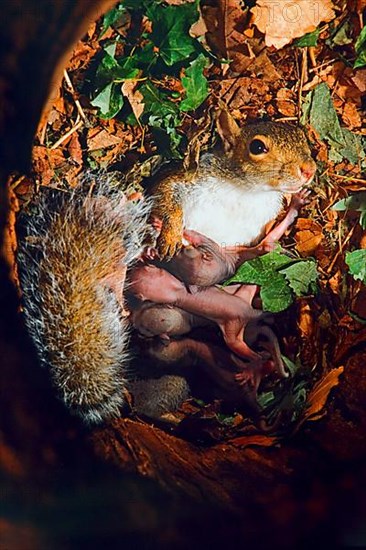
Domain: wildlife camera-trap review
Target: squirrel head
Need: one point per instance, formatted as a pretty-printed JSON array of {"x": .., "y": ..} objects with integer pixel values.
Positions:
[{"x": 273, "y": 155}]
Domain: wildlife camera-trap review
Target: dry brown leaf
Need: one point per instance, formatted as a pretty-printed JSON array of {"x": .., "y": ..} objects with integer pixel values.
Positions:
[
  {"x": 359, "y": 303},
  {"x": 59, "y": 105},
  {"x": 282, "y": 21},
  {"x": 237, "y": 93},
  {"x": 70, "y": 173},
  {"x": 9, "y": 246},
  {"x": 178, "y": 2},
  {"x": 351, "y": 116},
  {"x": 112, "y": 153},
  {"x": 55, "y": 119},
  {"x": 198, "y": 28},
  {"x": 75, "y": 150},
  {"x": 335, "y": 282},
  {"x": 359, "y": 79},
  {"x": 263, "y": 67},
  {"x": 318, "y": 396},
  {"x": 308, "y": 236},
  {"x": 251, "y": 440},
  {"x": 45, "y": 161},
  {"x": 91, "y": 30},
  {"x": 134, "y": 96},
  {"x": 81, "y": 55},
  {"x": 322, "y": 154},
  {"x": 227, "y": 128},
  {"x": 287, "y": 108},
  {"x": 226, "y": 25},
  {"x": 363, "y": 240},
  {"x": 99, "y": 138},
  {"x": 305, "y": 321},
  {"x": 286, "y": 102},
  {"x": 346, "y": 83}
]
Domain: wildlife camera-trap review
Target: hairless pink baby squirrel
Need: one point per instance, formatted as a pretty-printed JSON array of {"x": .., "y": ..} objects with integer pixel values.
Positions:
[{"x": 74, "y": 258}]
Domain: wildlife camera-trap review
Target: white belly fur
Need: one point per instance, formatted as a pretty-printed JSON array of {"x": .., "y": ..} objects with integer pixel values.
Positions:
[{"x": 227, "y": 214}]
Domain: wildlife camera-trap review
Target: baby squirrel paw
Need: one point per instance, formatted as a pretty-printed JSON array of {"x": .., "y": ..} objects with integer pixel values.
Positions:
[
  {"x": 300, "y": 199},
  {"x": 149, "y": 254}
]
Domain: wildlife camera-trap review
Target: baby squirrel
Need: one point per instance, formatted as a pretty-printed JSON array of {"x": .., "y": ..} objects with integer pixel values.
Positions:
[{"x": 74, "y": 259}]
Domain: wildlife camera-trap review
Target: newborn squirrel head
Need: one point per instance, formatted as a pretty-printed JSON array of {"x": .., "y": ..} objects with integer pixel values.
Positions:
[{"x": 268, "y": 156}]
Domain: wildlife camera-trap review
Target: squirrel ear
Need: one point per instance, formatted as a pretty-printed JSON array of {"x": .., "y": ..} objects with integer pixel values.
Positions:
[{"x": 226, "y": 127}]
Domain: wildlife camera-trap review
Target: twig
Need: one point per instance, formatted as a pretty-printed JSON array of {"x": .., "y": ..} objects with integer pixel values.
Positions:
[
  {"x": 76, "y": 101},
  {"x": 43, "y": 133},
  {"x": 350, "y": 178},
  {"x": 312, "y": 55},
  {"x": 285, "y": 118},
  {"x": 321, "y": 66},
  {"x": 340, "y": 249},
  {"x": 68, "y": 134},
  {"x": 16, "y": 182},
  {"x": 303, "y": 74}
]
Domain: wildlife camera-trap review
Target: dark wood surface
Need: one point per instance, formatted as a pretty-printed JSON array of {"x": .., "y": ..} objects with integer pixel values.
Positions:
[{"x": 130, "y": 483}]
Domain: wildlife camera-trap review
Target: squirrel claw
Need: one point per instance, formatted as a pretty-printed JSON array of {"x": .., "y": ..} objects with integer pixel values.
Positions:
[{"x": 167, "y": 248}]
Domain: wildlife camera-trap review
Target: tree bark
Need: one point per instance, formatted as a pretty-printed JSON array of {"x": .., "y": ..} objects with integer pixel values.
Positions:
[{"x": 288, "y": 495}]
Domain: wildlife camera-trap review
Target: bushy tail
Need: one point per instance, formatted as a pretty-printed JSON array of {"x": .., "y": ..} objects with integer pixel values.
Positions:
[{"x": 72, "y": 245}]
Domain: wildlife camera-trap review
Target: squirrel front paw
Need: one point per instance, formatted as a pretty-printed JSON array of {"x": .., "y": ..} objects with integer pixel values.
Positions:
[{"x": 169, "y": 241}]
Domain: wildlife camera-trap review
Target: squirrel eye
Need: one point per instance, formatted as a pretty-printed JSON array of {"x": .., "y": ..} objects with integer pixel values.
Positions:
[{"x": 257, "y": 147}]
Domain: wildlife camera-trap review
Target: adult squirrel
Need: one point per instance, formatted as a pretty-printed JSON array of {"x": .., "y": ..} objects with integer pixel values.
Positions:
[
  {"x": 232, "y": 196},
  {"x": 74, "y": 258}
]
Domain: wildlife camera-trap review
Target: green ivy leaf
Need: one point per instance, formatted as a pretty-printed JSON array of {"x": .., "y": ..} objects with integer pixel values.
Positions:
[
  {"x": 291, "y": 367},
  {"x": 276, "y": 296},
  {"x": 362, "y": 219},
  {"x": 164, "y": 118},
  {"x": 289, "y": 395},
  {"x": 301, "y": 276},
  {"x": 266, "y": 399},
  {"x": 112, "y": 17},
  {"x": 167, "y": 48},
  {"x": 280, "y": 278},
  {"x": 343, "y": 34},
  {"x": 195, "y": 85},
  {"x": 353, "y": 148},
  {"x": 157, "y": 102},
  {"x": 309, "y": 39},
  {"x": 170, "y": 31},
  {"x": 360, "y": 48},
  {"x": 145, "y": 57},
  {"x": 322, "y": 116},
  {"x": 109, "y": 101},
  {"x": 275, "y": 292},
  {"x": 356, "y": 262},
  {"x": 260, "y": 270},
  {"x": 355, "y": 203},
  {"x": 110, "y": 70}
]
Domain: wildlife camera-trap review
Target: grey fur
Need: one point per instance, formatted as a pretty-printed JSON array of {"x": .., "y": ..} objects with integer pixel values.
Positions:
[{"x": 87, "y": 355}]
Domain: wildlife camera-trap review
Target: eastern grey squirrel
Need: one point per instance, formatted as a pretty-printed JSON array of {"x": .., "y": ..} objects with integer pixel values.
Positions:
[{"x": 74, "y": 259}]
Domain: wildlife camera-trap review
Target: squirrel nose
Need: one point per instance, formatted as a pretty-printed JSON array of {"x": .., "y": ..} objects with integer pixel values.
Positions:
[{"x": 308, "y": 169}]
